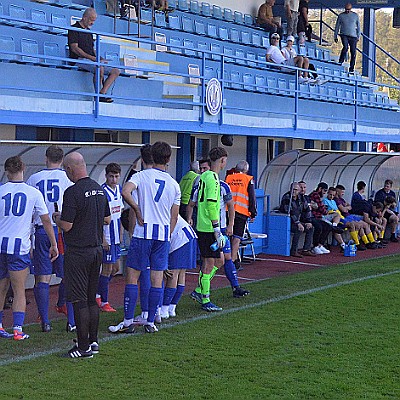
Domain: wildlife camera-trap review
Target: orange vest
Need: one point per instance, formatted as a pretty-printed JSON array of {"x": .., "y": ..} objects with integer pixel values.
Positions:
[{"x": 239, "y": 183}]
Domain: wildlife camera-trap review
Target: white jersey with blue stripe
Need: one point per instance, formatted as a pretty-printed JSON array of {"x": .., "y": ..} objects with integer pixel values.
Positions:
[
  {"x": 18, "y": 203},
  {"x": 226, "y": 195},
  {"x": 112, "y": 232},
  {"x": 52, "y": 183},
  {"x": 181, "y": 235},
  {"x": 157, "y": 192}
]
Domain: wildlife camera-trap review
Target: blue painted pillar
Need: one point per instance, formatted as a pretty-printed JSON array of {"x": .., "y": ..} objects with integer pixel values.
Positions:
[
  {"x": 335, "y": 145},
  {"x": 145, "y": 137},
  {"x": 354, "y": 146},
  {"x": 308, "y": 144},
  {"x": 252, "y": 155},
  {"x": 362, "y": 146},
  {"x": 182, "y": 155},
  {"x": 368, "y": 67}
]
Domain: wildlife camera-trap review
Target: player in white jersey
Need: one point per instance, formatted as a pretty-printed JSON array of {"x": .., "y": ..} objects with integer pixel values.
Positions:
[
  {"x": 182, "y": 256},
  {"x": 159, "y": 199},
  {"x": 111, "y": 235},
  {"x": 52, "y": 182},
  {"x": 18, "y": 202}
]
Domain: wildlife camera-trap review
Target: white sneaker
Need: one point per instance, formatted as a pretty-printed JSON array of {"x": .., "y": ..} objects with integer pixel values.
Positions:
[
  {"x": 164, "y": 312},
  {"x": 303, "y": 80},
  {"x": 172, "y": 310},
  {"x": 317, "y": 250},
  {"x": 321, "y": 81},
  {"x": 116, "y": 328},
  {"x": 324, "y": 250}
]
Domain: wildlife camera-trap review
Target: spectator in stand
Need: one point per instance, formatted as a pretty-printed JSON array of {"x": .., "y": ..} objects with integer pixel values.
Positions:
[
  {"x": 348, "y": 28},
  {"x": 354, "y": 223},
  {"x": 244, "y": 198},
  {"x": 186, "y": 185},
  {"x": 81, "y": 47},
  {"x": 266, "y": 19},
  {"x": 392, "y": 219},
  {"x": 292, "y": 14},
  {"x": 321, "y": 226},
  {"x": 358, "y": 201},
  {"x": 303, "y": 26},
  {"x": 300, "y": 220},
  {"x": 274, "y": 55}
]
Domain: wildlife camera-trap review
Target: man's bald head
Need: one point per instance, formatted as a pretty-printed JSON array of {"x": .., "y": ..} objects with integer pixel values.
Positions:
[{"x": 75, "y": 166}]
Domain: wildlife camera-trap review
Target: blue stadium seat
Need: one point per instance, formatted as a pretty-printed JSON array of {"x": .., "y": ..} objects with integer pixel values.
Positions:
[
  {"x": 272, "y": 85},
  {"x": 340, "y": 94},
  {"x": 112, "y": 57},
  {"x": 239, "y": 53},
  {"x": 248, "y": 20},
  {"x": 238, "y": 17},
  {"x": 172, "y": 4},
  {"x": 7, "y": 44},
  {"x": 236, "y": 80},
  {"x": 264, "y": 41},
  {"x": 29, "y": 46},
  {"x": 174, "y": 21},
  {"x": 256, "y": 39},
  {"x": 292, "y": 87},
  {"x": 261, "y": 57},
  {"x": 174, "y": 41},
  {"x": 183, "y": 5},
  {"x": 332, "y": 95},
  {"x": 251, "y": 58},
  {"x": 2, "y": 20},
  {"x": 199, "y": 27},
  {"x": 223, "y": 33},
  {"x": 159, "y": 19},
  {"x": 212, "y": 30},
  {"x": 282, "y": 86},
  {"x": 189, "y": 48},
  {"x": 19, "y": 12},
  {"x": 228, "y": 15},
  {"x": 326, "y": 55},
  {"x": 216, "y": 51},
  {"x": 38, "y": 16},
  {"x": 229, "y": 53},
  {"x": 217, "y": 12},
  {"x": 146, "y": 15},
  {"x": 319, "y": 54},
  {"x": 234, "y": 35},
  {"x": 209, "y": 73},
  {"x": 304, "y": 91},
  {"x": 99, "y": 6},
  {"x": 314, "y": 91},
  {"x": 248, "y": 82},
  {"x": 311, "y": 52},
  {"x": 203, "y": 46},
  {"x": 64, "y": 3},
  {"x": 349, "y": 96},
  {"x": 59, "y": 20},
  {"x": 260, "y": 84},
  {"x": 336, "y": 75},
  {"x": 194, "y": 7},
  {"x": 245, "y": 37},
  {"x": 187, "y": 24},
  {"x": 205, "y": 9},
  {"x": 53, "y": 50}
]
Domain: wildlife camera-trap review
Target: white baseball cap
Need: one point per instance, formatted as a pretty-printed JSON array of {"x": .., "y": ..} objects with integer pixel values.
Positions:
[{"x": 290, "y": 38}]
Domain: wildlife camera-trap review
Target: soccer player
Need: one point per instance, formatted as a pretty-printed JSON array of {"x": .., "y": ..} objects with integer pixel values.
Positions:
[
  {"x": 111, "y": 235},
  {"x": 182, "y": 256},
  {"x": 157, "y": 213},
  {"x": 208, "y": 222},
  {"x": 19, "y": 202},
  {"x": 52, "y": 182}
]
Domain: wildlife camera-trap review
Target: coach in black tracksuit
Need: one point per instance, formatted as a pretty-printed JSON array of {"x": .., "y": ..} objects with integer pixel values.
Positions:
[{"x": 85, "y": 210}]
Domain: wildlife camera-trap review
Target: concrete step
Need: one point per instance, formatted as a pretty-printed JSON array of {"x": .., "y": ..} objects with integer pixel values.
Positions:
[
  {"x": 185, "y": 98},
  {"x": 165, "y": 77},
  {"x": 178, "y": 89}
]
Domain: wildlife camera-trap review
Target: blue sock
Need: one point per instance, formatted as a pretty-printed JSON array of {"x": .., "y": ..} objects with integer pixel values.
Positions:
[
  {"x": 18, "y": 319},
  {"x": 42, "y": 300},
  {"x": 154, "y": 301},
  {"x": 178, "y": 294},
  {"x": 70, "y": 314},
  {"x": 144, "y": 282},
  {"x": 103, "y": 288},
  {"x": 61, "y": 294},
  {"x": 169, "y": 294},
  {"x": 231, "y": 273},
  {"x": 130, "y": 298}
]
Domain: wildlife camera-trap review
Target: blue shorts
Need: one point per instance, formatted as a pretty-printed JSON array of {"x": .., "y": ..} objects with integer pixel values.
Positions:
[
  {"x": 352, "y": 218},
  {"x": 12, "y": 262},
  {"x": 145, "y": 252},
  {"x": 41, "y": 261},
  {"x": 184, "y": 257},
  {"x": 113, "y": 255},
  {"x": 227, "y": 248}
]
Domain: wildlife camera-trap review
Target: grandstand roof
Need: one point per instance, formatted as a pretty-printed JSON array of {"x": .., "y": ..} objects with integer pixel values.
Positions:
[{"x": 332, "y": 167}]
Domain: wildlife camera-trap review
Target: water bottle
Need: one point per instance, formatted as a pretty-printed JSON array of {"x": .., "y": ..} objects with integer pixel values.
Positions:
[{"x": 215, "y": 247}]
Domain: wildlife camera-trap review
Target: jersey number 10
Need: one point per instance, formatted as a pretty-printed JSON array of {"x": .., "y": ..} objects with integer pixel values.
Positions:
[{"x": 16, "y": 205}]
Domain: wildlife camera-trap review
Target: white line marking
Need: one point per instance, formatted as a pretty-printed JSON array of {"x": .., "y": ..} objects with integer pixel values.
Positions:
[{"x": 213, "y": 315}]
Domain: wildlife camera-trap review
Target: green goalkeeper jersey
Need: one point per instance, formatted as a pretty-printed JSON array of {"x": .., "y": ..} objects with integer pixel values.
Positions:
[{"x": 208, "y": 201}]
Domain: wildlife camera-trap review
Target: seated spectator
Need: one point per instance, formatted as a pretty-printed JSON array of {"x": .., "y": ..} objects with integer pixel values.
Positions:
[
  {"x": 358, "y": 201},
  {"x": 300, "y": 220},
  {"x": 391, "y": 217},
  {"x": 334, "y": 216},
  {"x": 386, "y": 191},
  {"x": 354, "y": 223},
  {"x": 274, "y": 55},
  {"x": 81, "y": 47},
  {"x": 266, "y": 19}
]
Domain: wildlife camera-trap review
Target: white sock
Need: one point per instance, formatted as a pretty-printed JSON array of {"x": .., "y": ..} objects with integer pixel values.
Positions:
[
  {"x": 164, "y": 310},
  {"x": 172, "y": 307},
  {"x": 145, "y": 314},
  {"x": 128, "y": 322},
  {"x": 103, "y": 304}
]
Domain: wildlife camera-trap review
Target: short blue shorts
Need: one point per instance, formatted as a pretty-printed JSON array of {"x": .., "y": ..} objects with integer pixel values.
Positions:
[
  {"x": 227, "y": 248},
  {"x": 352, "y": 218},
  {"x": 12, "y": 262},
  {"x": 184, "y": 257},
  {"x": 145, "y": 252},
  {"x": 112, "y": 255},
  {"x": 41, "y": 261}
]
